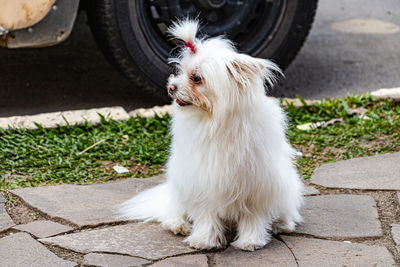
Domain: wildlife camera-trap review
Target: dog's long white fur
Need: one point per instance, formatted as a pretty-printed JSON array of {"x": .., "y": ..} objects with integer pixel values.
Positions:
[{"x": 230, "y": 160}]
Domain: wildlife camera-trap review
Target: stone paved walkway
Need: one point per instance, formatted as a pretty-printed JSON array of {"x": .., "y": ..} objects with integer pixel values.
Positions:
[{"x": 351, "y": 212}]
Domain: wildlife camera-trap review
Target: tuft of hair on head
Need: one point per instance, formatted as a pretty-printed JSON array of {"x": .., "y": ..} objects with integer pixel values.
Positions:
[{"x": 185, "y": 29}]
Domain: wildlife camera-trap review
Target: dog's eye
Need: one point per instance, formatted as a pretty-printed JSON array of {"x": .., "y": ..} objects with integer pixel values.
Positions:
[{"x": 196, "y": 78}]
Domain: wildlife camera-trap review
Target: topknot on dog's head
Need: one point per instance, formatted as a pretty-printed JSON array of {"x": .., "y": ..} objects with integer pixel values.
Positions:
[{"x": 185, "y": 29}]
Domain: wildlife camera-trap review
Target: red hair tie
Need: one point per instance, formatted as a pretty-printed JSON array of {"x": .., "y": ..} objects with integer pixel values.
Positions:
[{"x": 191, "y": 46}]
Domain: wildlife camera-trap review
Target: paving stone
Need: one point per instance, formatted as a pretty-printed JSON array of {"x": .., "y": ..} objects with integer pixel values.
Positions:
[
  {"x": 385, "y": 93},
  {"x": 85, "y": 204},
  {"x": 148, "y": 241},
  {"x": 340, "y": 216},
  {"x": 5, "y": 220},
  {"x": 42, "y": 229},
  {"x": 2, "y": 199},
  {"x": 110, "y": 260},
  {"x": 396, "y": 235},
  {"x": 276, "y": 253},
  {"x": 151, "y": 112},
  {"x": 22, "y": 250},
  {"x": 398, "y": 198},
  {"x": 183, "y": 261},
  {"x": 380, "y": 172},
  {"x": 317, "y": 252},
  {"x": 53, "y": 119},
  {"x": 310, "y": 190}
]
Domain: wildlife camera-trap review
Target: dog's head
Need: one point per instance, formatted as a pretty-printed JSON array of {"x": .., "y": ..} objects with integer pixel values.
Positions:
[{"x": 211, "y": 76}]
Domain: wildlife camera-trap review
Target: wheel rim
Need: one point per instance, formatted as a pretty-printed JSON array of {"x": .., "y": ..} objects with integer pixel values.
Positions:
[{"x": 251, "y": 25}]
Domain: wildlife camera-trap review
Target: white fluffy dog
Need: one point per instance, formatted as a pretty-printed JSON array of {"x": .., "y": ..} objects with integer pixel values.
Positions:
[{"x": 230, "y": 161}]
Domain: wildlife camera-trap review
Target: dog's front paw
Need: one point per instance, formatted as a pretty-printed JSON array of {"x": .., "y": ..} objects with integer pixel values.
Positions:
[
  {"x": 281, "y": 227},
  {"x": 177, "y": 226},
  {"x": 205, "y": 243},
  {"x": 249, "y": 245}
]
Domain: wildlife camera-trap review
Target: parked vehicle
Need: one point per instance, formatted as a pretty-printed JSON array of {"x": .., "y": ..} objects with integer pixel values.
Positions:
[{"x": 132, "y": 33}]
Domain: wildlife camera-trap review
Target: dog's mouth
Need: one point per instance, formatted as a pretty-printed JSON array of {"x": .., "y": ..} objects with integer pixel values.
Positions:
[{"x": 182, "y": 103}]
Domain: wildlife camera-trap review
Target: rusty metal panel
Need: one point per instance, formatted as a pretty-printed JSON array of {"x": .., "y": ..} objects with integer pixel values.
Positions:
[
  {"x": 54, "y": 28},
  {"x": 18, "y": 14}
]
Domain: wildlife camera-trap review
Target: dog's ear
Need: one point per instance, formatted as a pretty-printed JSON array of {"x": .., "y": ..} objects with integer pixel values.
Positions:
[{"x": 244, "y": 69}]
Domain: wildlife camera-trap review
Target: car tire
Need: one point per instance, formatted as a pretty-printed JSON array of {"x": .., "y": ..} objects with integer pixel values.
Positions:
[{"x": 117, "y": 28}]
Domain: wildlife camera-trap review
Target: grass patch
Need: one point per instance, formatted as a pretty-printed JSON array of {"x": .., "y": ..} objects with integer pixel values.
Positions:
[
  {"x": 86, "y": 154},
  {"x": 377, "y": 133},
  {"x": 83, "y": 154}
]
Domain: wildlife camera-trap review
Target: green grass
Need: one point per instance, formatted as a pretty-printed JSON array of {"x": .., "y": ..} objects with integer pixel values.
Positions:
[
  {"x": 355, "y": 137},
  {"x": 51, "y": 156},
  {"x": 86, "y": 154}
]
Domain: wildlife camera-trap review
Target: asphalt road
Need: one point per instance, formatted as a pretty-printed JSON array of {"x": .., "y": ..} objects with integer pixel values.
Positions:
[
  {"x": 354, "y": 47},
  {"x": 336, "y": 63}
]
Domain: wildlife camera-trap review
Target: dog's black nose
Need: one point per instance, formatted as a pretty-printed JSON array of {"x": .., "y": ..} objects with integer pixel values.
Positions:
[{"x": 171, "y": 88}]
